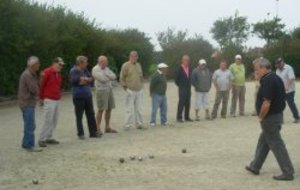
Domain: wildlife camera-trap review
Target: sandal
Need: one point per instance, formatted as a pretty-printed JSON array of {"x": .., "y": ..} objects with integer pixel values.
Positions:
[{"x": 110, "y": 130}]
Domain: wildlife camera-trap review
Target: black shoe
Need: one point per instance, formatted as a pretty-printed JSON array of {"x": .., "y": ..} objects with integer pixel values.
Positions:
[
  {"x": 42, "y": 144},
  {"x": 52, "y": 141},
  {"x": 180, "y": 121},
  {"x": 81, "y": 137},
  {"x": 97, "y": 135},
  {"x": 284, "y": 177},
  {"x": 254, "y": 172},
  {"x": 189, "y": 120}
]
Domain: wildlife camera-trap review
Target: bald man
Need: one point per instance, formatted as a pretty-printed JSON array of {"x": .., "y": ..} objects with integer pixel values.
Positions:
[{"x": 104, "y": 95}]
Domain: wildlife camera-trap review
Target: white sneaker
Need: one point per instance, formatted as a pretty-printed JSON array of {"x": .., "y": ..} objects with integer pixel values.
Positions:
[{"x": 152, "y": 125}]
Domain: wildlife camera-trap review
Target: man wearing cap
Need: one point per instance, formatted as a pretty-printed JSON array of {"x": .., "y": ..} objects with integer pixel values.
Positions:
[
  {"x": 270, "y": 105},
  {"x": 27, "y": 99},
  {"x": 286, "y": 73},
  {"x": 131, "y": 78},
  {"x": 104, "y": 94},
  {"x": 158, "y": 88},
  {"x": 50, "y": 94},
  {"x": 237, "y": 70},
  {"x": 201, "y": 80},
  {"x": 183, "y": 82},
  {"x": 222, "y": 80}
]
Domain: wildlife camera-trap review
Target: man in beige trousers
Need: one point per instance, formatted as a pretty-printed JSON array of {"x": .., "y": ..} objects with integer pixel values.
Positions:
[{"x": 131, "y": 78}]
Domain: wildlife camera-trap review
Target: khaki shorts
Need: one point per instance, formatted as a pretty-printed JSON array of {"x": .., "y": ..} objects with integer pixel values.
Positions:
[{"x": 105, "y": 100}]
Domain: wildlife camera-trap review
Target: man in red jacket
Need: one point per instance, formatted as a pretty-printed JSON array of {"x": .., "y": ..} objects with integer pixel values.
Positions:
[{"x": 50, "y": 94}]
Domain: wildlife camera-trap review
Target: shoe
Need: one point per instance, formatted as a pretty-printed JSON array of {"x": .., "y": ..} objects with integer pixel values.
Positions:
[
  {"x": 43, "y": 144},
  {"x": 140, "y": 127},
  {"x": 180, "y": 121},
  {"x": 297, "y": 121},
  {"x": 167, "y": 125},
  {"x": 52, "y": 141},
  {"x": 197, "y": 118},
  {"x": 127, "y": 128},
  {"x": 189, "y": 120},
  {"x": 284, "y": 177},
  {"x": 232, "y": 115},
  {"x": 208, "y": 118},
  {"x": 110, "y": 130},
  {"x": 152, "y": 125},
  {"x": 97, "y": 135},
  {"x": 34, "y": 149},
  {"x": 249, "y": 169},
  {"x": 81, "y": 137},
  {"x": 223, "y": 117}
]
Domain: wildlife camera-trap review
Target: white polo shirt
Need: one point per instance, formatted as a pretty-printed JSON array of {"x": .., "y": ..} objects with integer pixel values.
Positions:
[{"x": 286, "y": 74}]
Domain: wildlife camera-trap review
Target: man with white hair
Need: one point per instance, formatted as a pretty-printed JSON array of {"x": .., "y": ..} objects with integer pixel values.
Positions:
[
  {"x": 131, "y": 78},
  {"x": 50, "y": 94},
  {"x": 104, "y": 95},
  {"x": 238, "y": 72},
  {"x": 270, "y": 104},
  {"x": 158, "y": 88},
  {"x": 287, "y": 74},
  {"x": 201, "y": 80},
  {"x": 27, "y": 98}
]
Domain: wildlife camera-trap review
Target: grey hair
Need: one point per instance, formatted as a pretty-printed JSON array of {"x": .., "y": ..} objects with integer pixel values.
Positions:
[
  {"x": 81, "y": 59},
  {"x": 133, "y": 52},
  {"x": 32, "y": 60},
  {"x": 101, "y": 57},
  {"x": 263, "y": 62}
]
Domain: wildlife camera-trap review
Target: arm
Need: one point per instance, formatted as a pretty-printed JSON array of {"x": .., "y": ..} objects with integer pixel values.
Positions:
[
  {"x": 214, "y": 79},
  {"x": 292, "y": 78},
  {"x": 99, "y": 76},
  {"x": 111, "y": 75},
  {"x": 43, "y": 82},
  {"x": 264, "y": 110},
  {"x": 123, "y": 75},
  {"x": 194, "y": 78},
  {"x": 153, "y": 82},
  {"x": 177, "y": 79},
  {"x": 32, "y": 86}
]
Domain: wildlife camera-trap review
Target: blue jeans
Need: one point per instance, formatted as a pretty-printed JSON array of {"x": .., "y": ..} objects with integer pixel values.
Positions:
[
  {"x": 159, "y": 101},
  {"x": 291, "y": 102},
  {"x": 29, "y": 127}
]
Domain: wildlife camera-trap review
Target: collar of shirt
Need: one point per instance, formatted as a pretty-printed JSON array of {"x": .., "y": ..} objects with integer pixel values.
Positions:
[
  {"x": 266, "y": 75},
  {"x": 159, "y": 71}
]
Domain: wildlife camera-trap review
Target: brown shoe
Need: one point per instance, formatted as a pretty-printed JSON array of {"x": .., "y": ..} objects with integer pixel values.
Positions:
[{"x": 110, "y": 130}]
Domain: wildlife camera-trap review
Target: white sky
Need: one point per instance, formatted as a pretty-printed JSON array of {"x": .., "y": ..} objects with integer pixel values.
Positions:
[{"x": 197, "y": 16}]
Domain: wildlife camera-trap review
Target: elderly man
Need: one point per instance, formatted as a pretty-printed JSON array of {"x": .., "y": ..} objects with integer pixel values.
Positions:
[
  {"x": 201, "y": 80},
  {"x": 286, "y": 73},
  {"x": 104, "y": 95},
  {"x": 81, "y": 81},
  {"x": 222, "y": 80},
  {"x": 131, "y": 78},
  {"x": 27, "y": 98},
  {"x": 183, "y": 82},
  {"x": 237, "y": 70},
  {"x": 270, "y": 104},
  {"x": 50, "y": 94},
  {"x": 158, "y": 88}
]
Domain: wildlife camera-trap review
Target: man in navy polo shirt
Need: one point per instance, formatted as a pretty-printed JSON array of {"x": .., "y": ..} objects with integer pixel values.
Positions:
[{"x": 270, "y": 104}]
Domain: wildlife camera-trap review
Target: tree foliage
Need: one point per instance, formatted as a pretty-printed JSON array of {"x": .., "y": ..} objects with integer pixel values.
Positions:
[
  {"x": 28, "y": 28},
  {"x": 269, "y": 30}
]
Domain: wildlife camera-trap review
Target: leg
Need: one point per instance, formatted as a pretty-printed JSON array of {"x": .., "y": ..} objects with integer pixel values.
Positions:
[
  {"x": 49, "y": 116},
  {"x": 181, "y": 102},
  {"x": 291, "y": 102},
  {"x": 197, "y": 105},
  {"x": 139, "y": 108},
  {"x": 90, "y": 116},
  {"x": 216, "y": 105},
  {"x": 155, "y": 105},
  {"x": 187, "y": 105},
  {"x": 233, "y": 100},
  {"x": 55, "y": 119},
  {"x": 29, "y": 127},
  {"x": 261, "y": 153},
  {"x": 242, "y": 93},
  {"x": 206, "y": 105},
  {"x": 225, "y": 97},
  {"x": 107, "y": 119},
  {"x": 98, "y": 120},
  {"x": 163, "y": 110},
  {"x": 129, "y": 100},
  {"x": 79, "y": 109}
]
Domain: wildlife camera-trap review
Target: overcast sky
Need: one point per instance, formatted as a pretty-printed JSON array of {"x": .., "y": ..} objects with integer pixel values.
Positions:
[{"x": 197, "y": 16}]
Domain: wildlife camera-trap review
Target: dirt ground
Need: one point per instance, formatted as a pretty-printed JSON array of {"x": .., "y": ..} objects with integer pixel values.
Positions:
[{"x": 217, "y": 152}]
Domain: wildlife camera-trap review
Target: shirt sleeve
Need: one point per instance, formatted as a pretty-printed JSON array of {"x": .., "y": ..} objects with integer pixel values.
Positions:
[
  {"x": 123, "y": 75},
  {"x": 43, "y": 82},
  {"x": 75, "y": 77},
  {"x": 214, "y": 76},
  {"x": 291, "y": 74},
  {"x": 99, "y": 76}
]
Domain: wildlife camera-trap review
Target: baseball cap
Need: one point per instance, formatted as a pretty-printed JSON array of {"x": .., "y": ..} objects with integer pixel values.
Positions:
[
  {"x": 202, "y": 62},
  {"x": 59, "y": 60},
  {"x": 238, "y": 57},
  {"x": 162, "y": 65}
]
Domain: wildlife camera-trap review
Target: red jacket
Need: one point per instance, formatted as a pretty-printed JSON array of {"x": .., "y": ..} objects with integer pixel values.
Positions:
[{"x": 50, "y": 87}]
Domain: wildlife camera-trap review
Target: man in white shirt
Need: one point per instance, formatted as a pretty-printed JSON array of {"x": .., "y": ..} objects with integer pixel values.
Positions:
[
  {"x": 105, "y": 99},
  {"x": 286, "y": 73}
]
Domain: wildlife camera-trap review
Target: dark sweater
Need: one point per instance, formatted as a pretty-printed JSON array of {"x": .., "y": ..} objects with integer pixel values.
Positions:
[
  {"x": 158, "y": 84},
  {"x": 79, "y": 90},
  {"x": 182, "y": 80}
]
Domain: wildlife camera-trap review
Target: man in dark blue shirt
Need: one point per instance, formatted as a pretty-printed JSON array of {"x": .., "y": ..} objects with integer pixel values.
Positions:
[
  {"x": 270, "y": 104},
  {"x": 82, "y": 97}
]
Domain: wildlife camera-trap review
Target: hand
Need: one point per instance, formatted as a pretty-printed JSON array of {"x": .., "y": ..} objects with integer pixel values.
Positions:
[{"x": 261, "y": 120}]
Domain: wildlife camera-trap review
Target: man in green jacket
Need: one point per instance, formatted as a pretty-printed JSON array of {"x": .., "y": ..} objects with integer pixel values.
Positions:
[{"x": 158, "y": 88}]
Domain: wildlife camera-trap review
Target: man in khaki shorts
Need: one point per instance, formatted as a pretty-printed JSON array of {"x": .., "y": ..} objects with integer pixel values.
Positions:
[{"x": 104, "y": 78}]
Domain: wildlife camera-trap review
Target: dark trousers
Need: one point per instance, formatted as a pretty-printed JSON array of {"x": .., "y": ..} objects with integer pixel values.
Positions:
[
  {"x": 291, "y": 102},
  {"x": 184, "y": 103},
  {"x": 270, "y": 139},
  {"x": 85, "y": 105}
]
